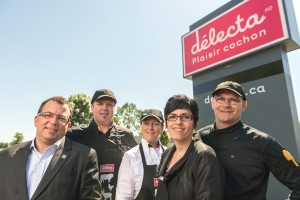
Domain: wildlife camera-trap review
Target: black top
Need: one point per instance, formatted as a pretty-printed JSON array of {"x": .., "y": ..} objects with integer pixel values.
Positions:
[
  {"x": 198, "y": 175},
  {"x": 110, "y": 148}
]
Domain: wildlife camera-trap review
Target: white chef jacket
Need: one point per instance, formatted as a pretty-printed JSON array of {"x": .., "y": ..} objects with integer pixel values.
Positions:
[{"x": 131, "y": 171}]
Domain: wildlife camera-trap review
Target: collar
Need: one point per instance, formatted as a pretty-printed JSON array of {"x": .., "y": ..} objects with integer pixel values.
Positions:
[
  {"x": 146, "y": 145},
  {"x": 94, "y": 126},
  {"x": 55, "y": 145},
  {"x": 108, "y": 131},
  {"x": 178, "y": 166},
  {"x": 228, "y": 129}
]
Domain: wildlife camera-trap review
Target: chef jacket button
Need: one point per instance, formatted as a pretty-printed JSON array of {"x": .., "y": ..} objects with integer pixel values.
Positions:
[{"x": 232, "y": 156}]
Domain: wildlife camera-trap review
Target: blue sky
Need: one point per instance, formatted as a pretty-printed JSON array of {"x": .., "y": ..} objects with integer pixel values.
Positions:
[{"x": 56, "y": 47}]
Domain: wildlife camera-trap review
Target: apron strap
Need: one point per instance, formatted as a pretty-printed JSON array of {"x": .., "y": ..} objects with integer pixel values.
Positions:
[{"x": 143, "y": 155}]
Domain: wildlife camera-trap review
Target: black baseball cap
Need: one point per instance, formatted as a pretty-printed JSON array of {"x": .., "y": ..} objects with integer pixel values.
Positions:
[
  {"x": 152, "y": 113},
  {"x": 104, "y": 93},
  {"x": 230, "y": 85}
]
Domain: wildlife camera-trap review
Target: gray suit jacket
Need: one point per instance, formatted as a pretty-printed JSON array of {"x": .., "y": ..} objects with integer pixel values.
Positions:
[{"x": 72, "y": 173}]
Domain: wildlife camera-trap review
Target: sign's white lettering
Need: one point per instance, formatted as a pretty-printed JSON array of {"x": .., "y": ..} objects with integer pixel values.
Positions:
[{"x": 212, "y": 38}]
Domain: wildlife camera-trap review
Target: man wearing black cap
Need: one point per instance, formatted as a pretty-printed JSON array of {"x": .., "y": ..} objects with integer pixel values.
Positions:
[
  {"x": 247, "y": 154},
  {"x": 108, "y": 139},
  {"x": 137, "y": 179}
]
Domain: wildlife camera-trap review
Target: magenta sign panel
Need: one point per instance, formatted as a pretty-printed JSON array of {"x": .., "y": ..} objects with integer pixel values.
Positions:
[{"x": 245, "y": 28}]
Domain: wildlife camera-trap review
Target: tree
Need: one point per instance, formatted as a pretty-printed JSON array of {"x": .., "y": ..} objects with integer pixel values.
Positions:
[
  {"x": 165, "y": 138},
  {"x": 80, "y": 104},
  {"x": 128, "y": 115},
  {"x": 3, "y": 145},
  {"x": 18, "y": 138}
]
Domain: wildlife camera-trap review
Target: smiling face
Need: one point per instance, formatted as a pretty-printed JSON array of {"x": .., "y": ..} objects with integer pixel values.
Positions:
[
  {"x": 227, "y": 113},
  {"x": 151, "y": 129},
  {"x": 51, "y": 129},
  {"x": 180, "y": 131},
  {"x": 103, "y": 111}
]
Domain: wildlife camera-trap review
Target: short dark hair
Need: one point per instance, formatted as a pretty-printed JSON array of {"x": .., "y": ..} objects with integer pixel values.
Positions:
[
  {"x": 181, "y": 101},
  {"x": 58, "y": 99}
]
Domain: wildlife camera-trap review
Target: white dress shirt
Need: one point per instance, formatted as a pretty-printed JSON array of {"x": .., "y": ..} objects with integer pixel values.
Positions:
[
  {"x": 131, "y": 170},
  {"x": 37, "y": 164}
]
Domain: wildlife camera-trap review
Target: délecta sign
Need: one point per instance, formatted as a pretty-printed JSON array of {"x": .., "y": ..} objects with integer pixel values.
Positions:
[{"x": 247, "y": 27}]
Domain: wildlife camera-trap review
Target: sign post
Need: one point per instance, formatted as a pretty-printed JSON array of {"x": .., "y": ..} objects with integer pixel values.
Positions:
[{"x": 247, "y": 42}]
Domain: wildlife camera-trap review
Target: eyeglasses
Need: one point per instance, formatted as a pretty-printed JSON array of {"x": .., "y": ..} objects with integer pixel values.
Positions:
[
  {"x": 183, "y": 118},
  {"x": 49, "y": 115},
  {"x": 223, "y": 100}
]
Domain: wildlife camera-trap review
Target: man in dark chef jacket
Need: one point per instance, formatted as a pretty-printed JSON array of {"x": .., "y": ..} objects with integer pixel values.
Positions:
[
  {"x": 248, "y": 155},
  {"x": 108, "y": 139}
]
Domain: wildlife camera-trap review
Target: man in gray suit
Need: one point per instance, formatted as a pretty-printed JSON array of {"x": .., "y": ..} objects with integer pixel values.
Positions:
[{"x": 50, "y": 167}]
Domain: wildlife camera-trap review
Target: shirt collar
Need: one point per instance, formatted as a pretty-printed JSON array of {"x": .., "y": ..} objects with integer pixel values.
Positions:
[
  {"x": 109, "y": 129},
  {"x": 55, "y": 145},
  {"x": 147, "y": 145}
]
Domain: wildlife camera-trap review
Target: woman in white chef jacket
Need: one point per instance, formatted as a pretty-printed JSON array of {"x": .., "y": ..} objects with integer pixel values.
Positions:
[{"x": 137, "y": 178}]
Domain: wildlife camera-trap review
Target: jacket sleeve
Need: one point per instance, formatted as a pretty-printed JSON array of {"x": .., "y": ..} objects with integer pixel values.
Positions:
[
  {"x": 209, "y": 181},
  {"x": 90, "y": 187},
  {"x": 283, "y": 166},
  {"x": 125, "y": 184}
]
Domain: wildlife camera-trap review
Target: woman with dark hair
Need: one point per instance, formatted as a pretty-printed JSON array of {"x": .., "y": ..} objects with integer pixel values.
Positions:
[{"x": 189, "y": 170}]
